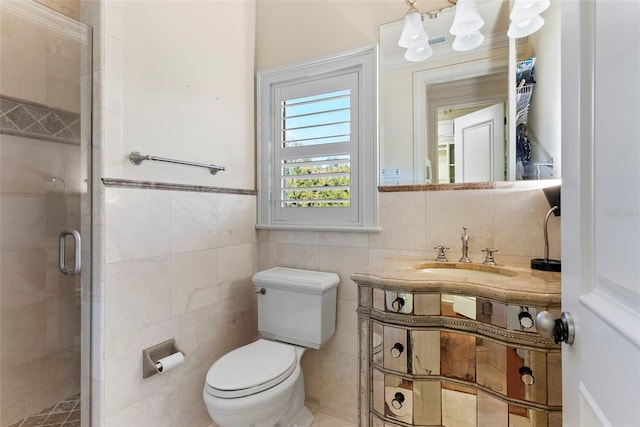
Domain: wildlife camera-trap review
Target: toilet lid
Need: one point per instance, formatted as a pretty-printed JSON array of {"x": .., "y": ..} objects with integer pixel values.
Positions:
[{"x": 251, "y": 369}]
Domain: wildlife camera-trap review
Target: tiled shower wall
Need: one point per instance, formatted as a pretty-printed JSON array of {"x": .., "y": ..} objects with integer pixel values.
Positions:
[{"x": 412, "y": 223}]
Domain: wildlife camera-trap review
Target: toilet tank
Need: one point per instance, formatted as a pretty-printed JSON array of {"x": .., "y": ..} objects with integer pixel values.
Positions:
[{"x": 297, "y": 306}]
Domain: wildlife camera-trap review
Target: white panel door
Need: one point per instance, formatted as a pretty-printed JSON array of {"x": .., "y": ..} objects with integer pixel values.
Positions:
[
  {"x": 479, "y": 145},
  {"x": 601, "y": 211}
]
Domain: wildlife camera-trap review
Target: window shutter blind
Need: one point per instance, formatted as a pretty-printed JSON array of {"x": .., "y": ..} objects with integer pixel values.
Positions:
[
  {"x": 317, "y": 144},
  {"x": 317, "y": 134}
]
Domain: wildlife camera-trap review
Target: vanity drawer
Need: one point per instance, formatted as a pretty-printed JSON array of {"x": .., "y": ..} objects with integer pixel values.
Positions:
[
  {"x": 390, "y": 349},
  {"x": 399, "y": 401},
  {"x": 508, "y": 316},
  {"x": 513, "y": 372},
  {"x": 418, "y": 304},
  {"x": 411, "y": 402},
  {"x": 519, "y": 373}
]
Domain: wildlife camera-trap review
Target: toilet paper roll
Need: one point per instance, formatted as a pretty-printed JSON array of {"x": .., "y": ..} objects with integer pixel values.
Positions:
[{"x": 169, "y": 362}]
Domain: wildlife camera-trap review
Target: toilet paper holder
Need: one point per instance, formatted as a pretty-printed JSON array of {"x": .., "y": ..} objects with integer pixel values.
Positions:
[{"x": 151, "y": 355}]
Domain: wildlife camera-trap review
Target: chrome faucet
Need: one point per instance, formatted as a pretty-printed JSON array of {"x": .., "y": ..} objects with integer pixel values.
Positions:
[
  {"x": 465, "y": 246},
  {"x": 441, "y": 255},
  {"x": 489, "y": 259}
]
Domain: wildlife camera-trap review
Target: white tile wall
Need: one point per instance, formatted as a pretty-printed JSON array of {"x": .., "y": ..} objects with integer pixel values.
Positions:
[{"x": 178, "y": 265}]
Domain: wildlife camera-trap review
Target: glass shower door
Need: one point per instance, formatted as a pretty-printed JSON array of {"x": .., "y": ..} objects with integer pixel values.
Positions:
[{"x": 45, "y": 104}]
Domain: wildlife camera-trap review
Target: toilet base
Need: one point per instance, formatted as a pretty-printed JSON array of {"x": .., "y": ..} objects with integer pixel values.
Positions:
[
  {"x": 298, "y": 415},
  {"x": 303, "y": 419}
]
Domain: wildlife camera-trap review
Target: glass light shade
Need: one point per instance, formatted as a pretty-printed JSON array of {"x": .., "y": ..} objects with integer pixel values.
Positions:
[
  {"x": 525, "y": 9},
  {"x": 418, "y": 53},
  {"x": 467, "y": 19},
  {"x": 468, "y": 41},
  {"x": 525, "y": 27},
  {"x": 413, "y": 33}
]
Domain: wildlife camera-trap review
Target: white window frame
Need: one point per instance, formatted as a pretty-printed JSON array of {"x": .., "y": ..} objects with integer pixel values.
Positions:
[{"x": 364, "y": 155}]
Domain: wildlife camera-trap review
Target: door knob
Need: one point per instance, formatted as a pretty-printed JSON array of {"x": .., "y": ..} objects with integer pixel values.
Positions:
[{"x": 561, "y": 330}]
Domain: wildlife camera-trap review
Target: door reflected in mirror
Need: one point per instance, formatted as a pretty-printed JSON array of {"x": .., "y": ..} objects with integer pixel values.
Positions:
[{"x": 471, "y": 144}]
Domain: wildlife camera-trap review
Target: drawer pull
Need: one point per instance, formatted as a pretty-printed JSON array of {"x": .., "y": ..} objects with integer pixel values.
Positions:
[
  {"x": 397, "y": 401},
  {"x": 525, "y": 319},
  {"x": 397, "y": 304},
  {"x": 396, "y": 350},
  {"x": 526, "y": 376}
]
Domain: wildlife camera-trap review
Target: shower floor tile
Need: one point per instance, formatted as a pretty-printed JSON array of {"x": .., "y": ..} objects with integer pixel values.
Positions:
[{"x": 63, "y": 414}]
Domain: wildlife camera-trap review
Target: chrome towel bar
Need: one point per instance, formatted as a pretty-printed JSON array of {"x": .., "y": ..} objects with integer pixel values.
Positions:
[{"x": 137, "y": 158}]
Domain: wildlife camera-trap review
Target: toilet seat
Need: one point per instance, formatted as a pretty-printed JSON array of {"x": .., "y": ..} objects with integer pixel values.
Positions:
[{"x": 251, "y": 369}]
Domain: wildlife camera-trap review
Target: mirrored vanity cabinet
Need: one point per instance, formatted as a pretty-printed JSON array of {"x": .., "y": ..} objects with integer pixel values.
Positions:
[{"x": 447, "y": 344}]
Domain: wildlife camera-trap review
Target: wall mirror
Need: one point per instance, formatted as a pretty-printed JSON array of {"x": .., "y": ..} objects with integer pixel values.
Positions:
[{"x": 428, "y": 108}]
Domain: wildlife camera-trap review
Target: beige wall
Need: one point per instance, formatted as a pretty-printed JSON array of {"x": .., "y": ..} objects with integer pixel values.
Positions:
[
  {"x": 179, "y": 84},
  {"x": 292, "y": 31},
  {"x": 173, "y": 79}
]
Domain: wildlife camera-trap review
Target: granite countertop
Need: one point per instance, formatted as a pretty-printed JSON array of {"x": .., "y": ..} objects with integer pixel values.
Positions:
[{"x": 514, "y": 283}]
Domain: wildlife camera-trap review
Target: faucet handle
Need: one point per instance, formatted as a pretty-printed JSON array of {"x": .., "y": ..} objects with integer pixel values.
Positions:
[
  {"x": 489, "y": 260},
  {"x": 441, "y": 255}
]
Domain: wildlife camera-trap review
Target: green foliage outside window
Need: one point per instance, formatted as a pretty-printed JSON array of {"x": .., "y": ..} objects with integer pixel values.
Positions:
[{"x": 336, "y": 178}]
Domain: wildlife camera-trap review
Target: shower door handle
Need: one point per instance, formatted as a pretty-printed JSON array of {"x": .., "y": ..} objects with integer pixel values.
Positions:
[{"x": 77, "y": 249}]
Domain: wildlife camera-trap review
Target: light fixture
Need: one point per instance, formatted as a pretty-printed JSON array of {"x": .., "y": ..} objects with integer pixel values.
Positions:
[
  {"x": 468, "y": 41},
  {"x": 413, "y": 32},
  {"x": 523, "y": 9},
  {"x": 525, "y": 17},
  {"x": 467, "y": 22},
  {"x": 414, "y": 37},
  {"x": 418, "y": 53},
  {"x": 467, "y": 19},
  {"x": 525, "y": 27}
]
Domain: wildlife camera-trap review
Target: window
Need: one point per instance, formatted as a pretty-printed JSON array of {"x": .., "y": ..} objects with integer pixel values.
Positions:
[{"x": 317, "y": 144}]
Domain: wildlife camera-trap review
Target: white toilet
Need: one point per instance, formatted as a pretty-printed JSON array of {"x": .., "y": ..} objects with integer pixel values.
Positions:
[{"x": 261, "y": 384}]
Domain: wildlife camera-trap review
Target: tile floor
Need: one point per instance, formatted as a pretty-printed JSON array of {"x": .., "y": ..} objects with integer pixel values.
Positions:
[
  {"x": 321, "y": 419},
  {"x": 64, "y": 414},
  {"x": 67, "y": 414},
  {"x": 324, "y": 420}
]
